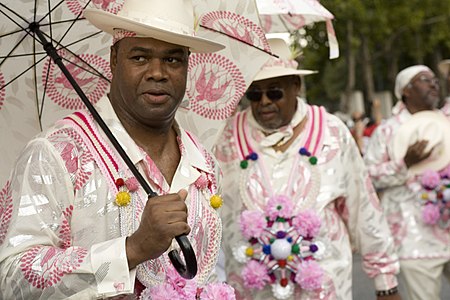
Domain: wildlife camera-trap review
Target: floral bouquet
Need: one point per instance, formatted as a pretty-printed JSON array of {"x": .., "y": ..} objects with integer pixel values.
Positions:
[
  {"x": 436, "y": 197},
  {"x": 282, "y": 249},
  {"x": 177, "y": 287}
]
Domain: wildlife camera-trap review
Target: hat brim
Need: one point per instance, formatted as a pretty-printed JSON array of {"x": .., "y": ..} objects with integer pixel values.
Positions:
[
  {"x": 273, "y": 72},
  {"x": 426, "y": 125},
  {"x": 444, "y": 67},
  {"x": 107, "y": 22}
]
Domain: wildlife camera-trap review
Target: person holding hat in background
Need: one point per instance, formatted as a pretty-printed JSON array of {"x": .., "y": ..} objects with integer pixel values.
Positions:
[
  {"x": 296, "y": 196},
  {"x": 408, "y": 157},
  {"x": 76, "y": 222}
]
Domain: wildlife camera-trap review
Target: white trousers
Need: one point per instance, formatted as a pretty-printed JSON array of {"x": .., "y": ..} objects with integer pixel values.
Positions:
[{"x": 422, "y": 277}]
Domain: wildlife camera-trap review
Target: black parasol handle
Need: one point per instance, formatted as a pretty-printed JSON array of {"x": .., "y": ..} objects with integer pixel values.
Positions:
[{"x": 188, "y": 270}]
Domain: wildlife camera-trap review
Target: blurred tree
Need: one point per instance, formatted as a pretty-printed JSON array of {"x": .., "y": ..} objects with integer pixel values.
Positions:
[{"x": 376, "y": 38}]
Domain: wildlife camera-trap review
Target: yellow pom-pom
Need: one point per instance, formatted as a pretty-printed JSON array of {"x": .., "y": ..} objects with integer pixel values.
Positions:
[
  {"x": 424, "y": 196},
  {"x": 123, "y": 198},
  {"x": 249, "y": 251},
  {"x": 216, "y": 201},
  {"x": 290, "y": 258}
]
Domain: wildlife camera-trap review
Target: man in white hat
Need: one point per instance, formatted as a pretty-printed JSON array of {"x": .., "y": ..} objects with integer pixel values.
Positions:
[
  {"x": 404, "y": 156},
  {"x": 74, "y": 221},
  {"x": 296, "y": 192}
]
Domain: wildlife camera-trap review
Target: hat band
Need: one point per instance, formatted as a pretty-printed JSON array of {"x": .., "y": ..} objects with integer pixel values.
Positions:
[
  {"x": 284, "y": 63},
  {"x": 119, "y": 34}
]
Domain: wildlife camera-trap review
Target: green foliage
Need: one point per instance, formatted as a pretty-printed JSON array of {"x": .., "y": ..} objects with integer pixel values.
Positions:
[{"x": 404, "y": 32}]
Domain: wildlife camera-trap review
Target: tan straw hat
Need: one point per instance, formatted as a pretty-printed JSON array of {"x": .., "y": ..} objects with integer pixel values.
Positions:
[
  {"x": 432, "y": 126},
  {"x": 444, "y": 67},
  {"x": 284, "y": 65},
  {"x": 171, "y": 21}
]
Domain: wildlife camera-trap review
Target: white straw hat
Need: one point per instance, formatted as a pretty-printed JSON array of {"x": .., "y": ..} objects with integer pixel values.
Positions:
[
  {"x": 284, "y": 65},
  {"x": 171, "y": 21},
  {"x": 428, "y": 125}
]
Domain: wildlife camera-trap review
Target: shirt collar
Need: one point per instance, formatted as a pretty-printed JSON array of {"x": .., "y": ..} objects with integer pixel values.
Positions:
[
  {"x": 108, "y": 114},
  {"x": 192, "y": 158}
]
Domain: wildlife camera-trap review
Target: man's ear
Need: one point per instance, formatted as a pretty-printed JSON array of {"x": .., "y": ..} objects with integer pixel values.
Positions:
[
  {"x": 407, "y": 90},
  {"x": 113, "y": 58}
]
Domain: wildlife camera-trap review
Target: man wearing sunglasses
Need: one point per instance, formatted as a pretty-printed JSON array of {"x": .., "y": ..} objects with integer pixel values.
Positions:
[
  {"x": 409, "y": 199},
  {"x": 297, "y": 192}
]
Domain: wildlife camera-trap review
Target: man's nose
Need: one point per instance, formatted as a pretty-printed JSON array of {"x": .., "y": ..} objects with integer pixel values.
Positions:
[{"x": 156, "y": 70}]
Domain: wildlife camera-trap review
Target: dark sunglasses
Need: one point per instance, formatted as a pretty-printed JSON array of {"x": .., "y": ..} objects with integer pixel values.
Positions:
[{"x": 274, "y": 94}]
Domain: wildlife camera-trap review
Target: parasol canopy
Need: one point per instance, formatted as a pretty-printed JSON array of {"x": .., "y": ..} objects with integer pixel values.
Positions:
[
  {"x": 278, "y": 16},
  {"x": 55, "y": 90}
]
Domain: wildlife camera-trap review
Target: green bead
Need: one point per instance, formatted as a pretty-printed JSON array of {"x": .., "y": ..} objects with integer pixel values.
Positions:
[
  {"x": 244, "y": 164},
  {"x": 313, "y": 160},
  {"x": 295, "y": 249},
  {"x": 281, "y": 220},
  {"x": 271, "y": 240}
]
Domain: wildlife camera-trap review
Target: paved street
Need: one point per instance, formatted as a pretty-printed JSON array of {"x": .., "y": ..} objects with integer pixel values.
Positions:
[{"x": 363, "y": 288}]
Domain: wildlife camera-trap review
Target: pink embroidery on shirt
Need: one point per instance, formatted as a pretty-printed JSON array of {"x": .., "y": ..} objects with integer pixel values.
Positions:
[
  {"x": 69, "y": 158},
  {"x": 119, "y": 286},
  {"x": 6, "y": 208},
  {"x": 371, "y": 193},
  {"x": 76, "y": 158},
  {"x": 45, "y": 266},
  {"x": 64, "y": 230},
  {"x": 397, "y": 226}
]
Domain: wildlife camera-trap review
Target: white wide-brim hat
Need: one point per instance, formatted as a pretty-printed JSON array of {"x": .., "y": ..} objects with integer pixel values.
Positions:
[
  {"x": 444, "y": 67},
  {"x": 171, "y": 21},
  {"x": 432, "y": 126},
  {"x": 283, "y": 65}
]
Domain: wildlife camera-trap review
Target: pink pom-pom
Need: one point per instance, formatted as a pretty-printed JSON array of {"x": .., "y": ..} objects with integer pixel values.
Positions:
[
  {"x": 307, "y": 223},
  {"x": 132, "y": 184},
  {"x": 160, "y": 292},
  {"x": 445, "y": 172},
  {"x": 430, "y": 214},
  {"x": 309, "y": 275},
  {"x": 255, "y": 275},
  {"x": 430, "y": 179},
  {"x": 279, "y": 206},
  {"x": 252, "y": 223},
  {"x": 185, "y": 288},
  {"x": 218, "y": 291}
]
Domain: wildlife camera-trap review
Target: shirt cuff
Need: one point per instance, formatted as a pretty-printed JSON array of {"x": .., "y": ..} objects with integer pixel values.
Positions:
[
  {"x": 110, "y": 264},
  {"x": 385, "y": 282}
]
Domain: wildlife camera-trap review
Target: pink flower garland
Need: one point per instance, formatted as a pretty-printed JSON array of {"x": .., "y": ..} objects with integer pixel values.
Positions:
[
  {"x": 177, "y": 287},
  {"x": 278, "y": 239},
  {"x": 255, "y": 275},
  {"x": 215, "y": 291},
  {"x": 436, "y": 197},
  {"x": 430, "y": 214},
  {"x": 309, "y": 275},
  {"x": 252, "y": 223},
  {"x": 279, "y": 206},
  {"x": 430, "y": 179},
  {"x": 307, "y": 223}
]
